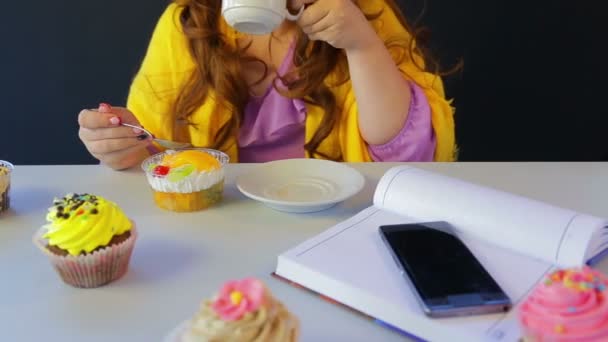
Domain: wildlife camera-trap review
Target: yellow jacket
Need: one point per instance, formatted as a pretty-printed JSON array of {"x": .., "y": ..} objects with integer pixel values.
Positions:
[{"x": 168, "y": 63}]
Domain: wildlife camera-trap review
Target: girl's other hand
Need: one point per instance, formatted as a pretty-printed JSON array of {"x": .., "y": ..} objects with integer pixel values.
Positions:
[{"x": 117, "y": 146}]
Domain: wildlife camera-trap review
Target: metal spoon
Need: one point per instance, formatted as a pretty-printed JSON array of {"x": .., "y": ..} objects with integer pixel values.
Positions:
[{"x": 172, "y": 145}]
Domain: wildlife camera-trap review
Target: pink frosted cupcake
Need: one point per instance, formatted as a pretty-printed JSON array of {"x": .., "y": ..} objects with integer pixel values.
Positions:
[
  {"x": 243, "y": 311},
  {"x": 570, "y": 305},
  {"x": 88, "y": 240}
]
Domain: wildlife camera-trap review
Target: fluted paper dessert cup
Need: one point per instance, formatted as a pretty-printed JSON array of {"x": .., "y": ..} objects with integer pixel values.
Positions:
[
  {"x": 93, "y": 269},
  {"x": 195, "y": 191}
]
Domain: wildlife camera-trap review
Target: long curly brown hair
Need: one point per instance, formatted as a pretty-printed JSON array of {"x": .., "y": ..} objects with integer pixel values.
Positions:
[{"x": 219, "y": 68}]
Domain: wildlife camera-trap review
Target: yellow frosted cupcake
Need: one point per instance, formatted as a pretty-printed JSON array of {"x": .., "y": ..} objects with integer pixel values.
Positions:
[
  {"x": 88, "y": 239},
  {"x": 243, "y": 311},
  {"x": 186, "y": 180},
  {"x": 5, "y": 185}
]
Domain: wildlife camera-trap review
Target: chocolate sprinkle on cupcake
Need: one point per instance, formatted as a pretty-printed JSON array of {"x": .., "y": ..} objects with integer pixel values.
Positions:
[{"x": 75, "y": 203}]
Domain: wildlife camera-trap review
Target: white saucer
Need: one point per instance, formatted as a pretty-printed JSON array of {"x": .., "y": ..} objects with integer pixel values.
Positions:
[{"x": 301, "y": 185}]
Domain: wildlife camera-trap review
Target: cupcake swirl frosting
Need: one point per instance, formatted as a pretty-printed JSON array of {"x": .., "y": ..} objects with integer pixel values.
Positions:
[
  {"x": 81, "y": 223},
  {"x": 241, "y": 317},
  {"x": 570, "y": 305}
]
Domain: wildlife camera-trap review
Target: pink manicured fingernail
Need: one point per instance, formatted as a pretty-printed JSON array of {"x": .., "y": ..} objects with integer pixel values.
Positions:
[
  {"x": 137, "y": 131},
  {"x": 115, "y": 120},
  {"x": 104, "y": 107}
]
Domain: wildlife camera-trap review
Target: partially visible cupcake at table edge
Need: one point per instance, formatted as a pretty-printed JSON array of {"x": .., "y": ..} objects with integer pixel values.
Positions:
[
  {"x": 88, "y": 240},
  {"x": 242, "y": 311},
  {"x": 186, "y": 180},
  {"x": 6, "y": 169},
  {"x": 569, "y": 305}
]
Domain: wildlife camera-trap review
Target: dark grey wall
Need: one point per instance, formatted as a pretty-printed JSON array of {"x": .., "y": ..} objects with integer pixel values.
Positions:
[
  {"x": 58, "y": 57},
  {"x": 535, "y": 81},
  {"x": 535, "y": 76}
]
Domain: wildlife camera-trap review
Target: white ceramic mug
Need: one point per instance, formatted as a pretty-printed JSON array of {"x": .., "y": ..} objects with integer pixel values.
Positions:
[{"x": 256, "y": 16}]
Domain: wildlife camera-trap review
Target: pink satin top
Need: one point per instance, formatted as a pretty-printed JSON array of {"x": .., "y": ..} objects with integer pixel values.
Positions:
[{"x": 273, "y": 128}]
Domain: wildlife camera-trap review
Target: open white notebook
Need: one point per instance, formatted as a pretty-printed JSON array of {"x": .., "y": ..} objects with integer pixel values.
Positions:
[{"x": 518, "y": 240}]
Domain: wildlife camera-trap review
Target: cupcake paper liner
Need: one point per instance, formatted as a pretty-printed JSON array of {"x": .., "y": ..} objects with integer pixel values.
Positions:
[
  {"x": 5, "y": 199},
  {"x": 90, "y": 270}
]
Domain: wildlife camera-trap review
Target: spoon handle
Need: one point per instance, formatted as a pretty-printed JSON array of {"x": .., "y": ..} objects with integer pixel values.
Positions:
[{"x": 138, "y": 127}]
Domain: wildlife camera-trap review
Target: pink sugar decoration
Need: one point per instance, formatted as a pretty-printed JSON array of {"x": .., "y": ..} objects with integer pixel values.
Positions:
[{"x": 238, "y": 298}]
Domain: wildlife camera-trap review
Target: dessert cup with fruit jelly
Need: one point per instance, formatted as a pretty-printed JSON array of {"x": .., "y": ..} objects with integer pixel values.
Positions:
[{"x": 185, "y": 189}]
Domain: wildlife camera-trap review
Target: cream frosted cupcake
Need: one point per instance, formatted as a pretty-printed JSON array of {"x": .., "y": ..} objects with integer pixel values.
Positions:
[
  {"x": 570, "y": 305},
  {"x": 89, "y": 240},
  {"x": 243, "y": 311},
  {"x": 5, "y": 185},
  {"x": 186, "y": 180}
]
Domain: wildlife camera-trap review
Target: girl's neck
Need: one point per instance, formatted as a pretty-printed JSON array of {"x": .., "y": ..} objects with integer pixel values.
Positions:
[
  {"x": 287, "y": 29},
  {"x": 284, "y": 33}
]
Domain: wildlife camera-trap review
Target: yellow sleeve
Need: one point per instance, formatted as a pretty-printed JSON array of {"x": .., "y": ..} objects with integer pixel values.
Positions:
[
  {"x": 165, "y": 67},
  {"x": 388, "y": 28}
]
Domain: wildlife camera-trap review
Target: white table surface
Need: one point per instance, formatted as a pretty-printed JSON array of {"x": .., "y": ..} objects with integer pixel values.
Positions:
[{"x": 180, "y": 259}]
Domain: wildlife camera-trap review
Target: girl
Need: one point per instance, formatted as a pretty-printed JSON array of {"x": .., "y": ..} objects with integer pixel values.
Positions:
[{"x": 345, "y": 82}]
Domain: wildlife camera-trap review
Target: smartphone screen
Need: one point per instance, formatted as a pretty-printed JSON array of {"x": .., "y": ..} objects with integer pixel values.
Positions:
[{"x": 447, "y": 277}]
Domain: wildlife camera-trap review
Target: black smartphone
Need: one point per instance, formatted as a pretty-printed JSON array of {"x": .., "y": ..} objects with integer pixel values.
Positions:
[{"x": 447, "y": 278}]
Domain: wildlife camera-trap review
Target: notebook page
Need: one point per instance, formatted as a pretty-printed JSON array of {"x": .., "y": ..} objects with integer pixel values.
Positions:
[
  {"x": 351, "y": 264},
  {"x": 514, "y": 222},
  {"x": 578, "y": 237}
]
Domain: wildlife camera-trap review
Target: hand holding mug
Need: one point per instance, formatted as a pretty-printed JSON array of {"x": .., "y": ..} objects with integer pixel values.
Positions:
[{"x": 340, "y": 23}]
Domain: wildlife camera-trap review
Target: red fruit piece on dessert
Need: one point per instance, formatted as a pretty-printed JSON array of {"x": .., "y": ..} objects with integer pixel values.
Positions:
[{"x": 161, "y": 170}]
